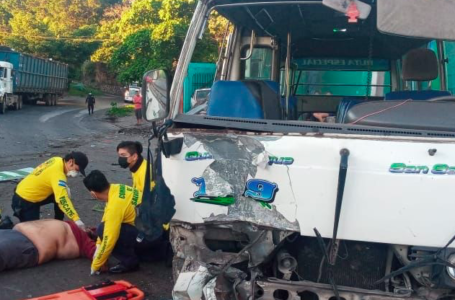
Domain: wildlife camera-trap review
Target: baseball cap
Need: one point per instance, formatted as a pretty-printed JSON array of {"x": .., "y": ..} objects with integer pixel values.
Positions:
[{"x": 81, "y": 161}]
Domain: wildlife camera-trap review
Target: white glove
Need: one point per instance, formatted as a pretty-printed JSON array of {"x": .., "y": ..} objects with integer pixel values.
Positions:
[
  {"x": 93, "y": 272},
  {"x": 96, "y": 251},
  {"x": 80, "y": 224}
]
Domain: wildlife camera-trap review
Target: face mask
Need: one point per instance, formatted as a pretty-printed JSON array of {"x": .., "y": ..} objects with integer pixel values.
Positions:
[
  {"x": 72, "y": 173},
  {"x": 123, "y": 162}
]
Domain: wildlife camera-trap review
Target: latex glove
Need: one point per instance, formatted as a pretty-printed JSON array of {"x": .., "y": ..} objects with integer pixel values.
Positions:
[
  {"x": 80, "y": 224},
  {"x": 96, "y": 251},
  {"x": 93, "y": 272}
]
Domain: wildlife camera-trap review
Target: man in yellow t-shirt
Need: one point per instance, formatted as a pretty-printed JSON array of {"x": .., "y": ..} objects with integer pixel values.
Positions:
[
  {"x": 116, "y": 233},
  {"x": 130, "y": 156},
  {"x": 48, "y": 184}
]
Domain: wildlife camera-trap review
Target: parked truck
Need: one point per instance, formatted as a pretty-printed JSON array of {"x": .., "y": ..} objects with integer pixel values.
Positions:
[{"x": 28, "y": 79}]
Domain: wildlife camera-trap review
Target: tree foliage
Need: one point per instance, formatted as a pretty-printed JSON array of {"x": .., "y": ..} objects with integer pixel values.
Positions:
[
  {"x": 166, "y": 22},
  {"x": 59, "y": 29},
  {"x": 130, "y": 36}
]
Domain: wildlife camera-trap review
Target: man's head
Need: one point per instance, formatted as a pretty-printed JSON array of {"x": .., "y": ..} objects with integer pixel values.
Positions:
[
  {"x": 89, "y": 94},
  {"x": 128, "y": 153},
  {"x": 98, "y": 185},
  {"x": 75, "y": 162}
]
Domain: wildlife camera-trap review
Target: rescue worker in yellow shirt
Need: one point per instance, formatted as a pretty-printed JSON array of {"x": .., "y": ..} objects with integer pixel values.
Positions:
[
  {"x": 48, "y": 184},
  {"x": 116, "y": 233},
  {"x": 130, "y": 156}
]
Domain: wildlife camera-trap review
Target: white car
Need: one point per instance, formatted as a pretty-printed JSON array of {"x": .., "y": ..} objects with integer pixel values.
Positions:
[{"x": 129, "y": 94}]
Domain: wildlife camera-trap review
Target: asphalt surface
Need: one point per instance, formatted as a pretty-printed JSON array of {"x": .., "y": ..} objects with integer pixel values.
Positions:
[{"x": 32, "y": 135}]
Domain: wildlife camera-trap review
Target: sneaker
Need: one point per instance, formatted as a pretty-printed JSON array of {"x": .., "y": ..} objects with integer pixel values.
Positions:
[{"x": 120, "y": 268}]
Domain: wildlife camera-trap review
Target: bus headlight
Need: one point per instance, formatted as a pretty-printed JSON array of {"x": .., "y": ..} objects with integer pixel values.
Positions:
[{"x": 450, "y": 270}]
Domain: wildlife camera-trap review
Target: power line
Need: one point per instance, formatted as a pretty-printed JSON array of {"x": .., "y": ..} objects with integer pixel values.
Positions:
[{"x": 64, "y": 38}]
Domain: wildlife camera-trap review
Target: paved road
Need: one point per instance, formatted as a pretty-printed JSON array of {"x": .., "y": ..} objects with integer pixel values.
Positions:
[
  {"x": 36, "y": 127},
  {"x": 31, "y": 136}
]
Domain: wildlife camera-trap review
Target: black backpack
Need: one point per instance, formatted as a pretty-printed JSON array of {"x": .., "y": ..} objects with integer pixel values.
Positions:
[{"x": 157, "y": 206}]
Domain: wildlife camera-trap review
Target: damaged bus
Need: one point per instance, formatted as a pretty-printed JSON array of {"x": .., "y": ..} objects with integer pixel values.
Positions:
[{"x": 323, "y": 166}]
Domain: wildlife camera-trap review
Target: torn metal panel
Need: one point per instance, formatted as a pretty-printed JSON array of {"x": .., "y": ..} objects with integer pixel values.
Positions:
[
  {"x": 209, "y": 290},
  {"x": 190, "y": 244},
  {"x": 189, "y": 285},
  {"x": 216, "y": 185},
  {"x": 236, "y": 160},
  {"x": 223, "y": 286}
]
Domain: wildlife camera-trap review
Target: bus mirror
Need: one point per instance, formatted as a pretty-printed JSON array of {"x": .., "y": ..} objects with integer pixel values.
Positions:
[
  {"x": 155, "y": 92},
  {"x": 343, "y": 6}
]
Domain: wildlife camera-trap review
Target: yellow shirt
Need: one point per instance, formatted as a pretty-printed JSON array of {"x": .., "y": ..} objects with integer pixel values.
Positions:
[
  {"x": 139, "y": 177},
  {"x": 47, "y": 179},
  {"x": 120, "y": 208}
]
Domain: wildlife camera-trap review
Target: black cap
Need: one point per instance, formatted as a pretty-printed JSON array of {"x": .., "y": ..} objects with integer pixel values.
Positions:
[{"x": 81, "y": 161}]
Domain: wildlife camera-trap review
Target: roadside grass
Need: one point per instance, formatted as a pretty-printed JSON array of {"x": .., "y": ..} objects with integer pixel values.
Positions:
[
  {"x": 122, "y": 111},
  {"x": 81, "y": 90}
]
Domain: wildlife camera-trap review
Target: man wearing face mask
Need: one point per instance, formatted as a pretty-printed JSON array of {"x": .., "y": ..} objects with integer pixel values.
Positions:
[
  {"x": 48, "y": 184},
  {"x": 130, "y": 156}
]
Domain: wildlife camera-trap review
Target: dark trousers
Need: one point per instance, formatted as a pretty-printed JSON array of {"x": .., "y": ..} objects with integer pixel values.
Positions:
[
  {"x": 126, "y": 243},
  {"x": 90, "y": 108},
  {"x": 28, "y": 211}
]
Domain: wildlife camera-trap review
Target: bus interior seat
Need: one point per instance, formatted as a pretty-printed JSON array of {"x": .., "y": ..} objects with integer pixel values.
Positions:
[
  {"x": 419, "y": 65},
  {"x": 344, "y": 106},
  {"x": 252, "y": 99}
]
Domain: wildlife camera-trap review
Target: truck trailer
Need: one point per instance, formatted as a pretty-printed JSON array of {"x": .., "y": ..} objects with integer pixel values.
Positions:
[{"x": 28, "y": 79}]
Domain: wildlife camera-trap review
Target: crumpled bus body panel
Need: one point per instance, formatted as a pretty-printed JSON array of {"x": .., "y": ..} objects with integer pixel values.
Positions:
[{"x": 290, "y": 183}]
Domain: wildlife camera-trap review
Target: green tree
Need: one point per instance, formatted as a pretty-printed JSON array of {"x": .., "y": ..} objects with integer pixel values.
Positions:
[
  {"x": 132, "y": 52},
  {"x": 122, "y": 20},
  {"x": 133, "y": 57},
  {"x": 59, "y": 29}
]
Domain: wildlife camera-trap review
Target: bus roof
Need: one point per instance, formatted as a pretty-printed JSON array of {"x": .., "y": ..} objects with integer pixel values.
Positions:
[{"x": 316, "y": 30}]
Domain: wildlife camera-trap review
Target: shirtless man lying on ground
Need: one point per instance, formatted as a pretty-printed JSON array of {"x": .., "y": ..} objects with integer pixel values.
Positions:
[{"x": 34, "y": 243}]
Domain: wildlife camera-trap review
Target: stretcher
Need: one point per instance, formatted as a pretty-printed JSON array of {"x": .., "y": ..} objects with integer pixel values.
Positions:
[{"x": 109, "y": 290}]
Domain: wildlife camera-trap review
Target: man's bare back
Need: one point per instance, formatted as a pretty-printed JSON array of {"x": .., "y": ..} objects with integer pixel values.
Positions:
[{"x": 53, "y": 239}]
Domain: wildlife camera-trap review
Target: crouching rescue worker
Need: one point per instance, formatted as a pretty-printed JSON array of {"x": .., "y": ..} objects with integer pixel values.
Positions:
[
  {"x": 48, "y": 184},
  {"x": 130, "y": 156},
  {"x": 116, "y": 233}
]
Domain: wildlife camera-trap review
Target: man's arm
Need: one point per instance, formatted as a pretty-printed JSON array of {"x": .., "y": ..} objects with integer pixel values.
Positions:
[
  {"x": 62, "y": 198},
  {"x": 112, "y": 225}
]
